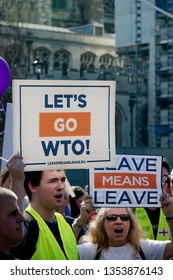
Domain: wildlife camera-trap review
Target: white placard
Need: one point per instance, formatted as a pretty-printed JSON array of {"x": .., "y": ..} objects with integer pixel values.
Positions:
[
  {"x": 64, "y": 124},
  {"x": 135, "y": 181}
]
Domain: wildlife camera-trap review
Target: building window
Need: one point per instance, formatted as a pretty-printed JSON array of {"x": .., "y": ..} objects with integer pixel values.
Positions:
[
  {"x": 59, "y": 4},
  {"x": 106, "y": 61},
  {"x": 87, "y": 63},
  {"x": 62, "y": 61},
  {"x": 98, "y": 31},
  {"x": 105, "y": 66},
  {"x": 109, "y": 14},
  {"x": 109, "y": 7}
]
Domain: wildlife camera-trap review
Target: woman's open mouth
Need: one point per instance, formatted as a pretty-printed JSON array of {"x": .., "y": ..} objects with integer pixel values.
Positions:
[{"x": 118, "y": 230}]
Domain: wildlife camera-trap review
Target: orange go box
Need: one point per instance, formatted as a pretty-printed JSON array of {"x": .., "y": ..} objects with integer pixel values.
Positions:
[{"x": 64, "y": 124}]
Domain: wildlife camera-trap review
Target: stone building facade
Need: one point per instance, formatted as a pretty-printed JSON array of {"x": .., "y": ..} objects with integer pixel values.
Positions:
[{"x": 60, "y": 13}]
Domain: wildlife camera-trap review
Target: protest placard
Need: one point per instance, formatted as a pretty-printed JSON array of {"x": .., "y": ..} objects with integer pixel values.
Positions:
[
  {"x": 7, "y": 147},
  {"x": 64, "y": 124},
  {"x": 135, "y": 181}
]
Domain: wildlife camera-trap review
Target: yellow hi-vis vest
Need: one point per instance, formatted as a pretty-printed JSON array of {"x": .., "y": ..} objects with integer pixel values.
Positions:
[
  {"x": 163, "y": 228},
  {"x": 47, "y": 248}
]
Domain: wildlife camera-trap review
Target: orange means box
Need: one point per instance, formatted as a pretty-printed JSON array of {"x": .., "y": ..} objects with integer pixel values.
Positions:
[{"x": 125, "y": 180}]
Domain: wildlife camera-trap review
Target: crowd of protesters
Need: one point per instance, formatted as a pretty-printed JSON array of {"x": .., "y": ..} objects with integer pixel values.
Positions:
[{"x": 41, "y": 230}]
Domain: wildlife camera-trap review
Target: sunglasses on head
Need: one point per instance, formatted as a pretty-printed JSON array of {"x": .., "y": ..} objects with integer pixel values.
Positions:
[
  {"x": 166, "y": 179},
  {"x": 114, "y": 217}
]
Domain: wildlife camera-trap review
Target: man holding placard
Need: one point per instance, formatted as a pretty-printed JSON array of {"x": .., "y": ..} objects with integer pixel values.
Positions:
[{"x": 47, "y": 234}]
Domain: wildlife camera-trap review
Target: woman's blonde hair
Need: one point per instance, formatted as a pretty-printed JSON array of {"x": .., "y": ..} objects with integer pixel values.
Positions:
[
  {"x": 96, "y": 232},
  {"x": 4, "y": 175}
]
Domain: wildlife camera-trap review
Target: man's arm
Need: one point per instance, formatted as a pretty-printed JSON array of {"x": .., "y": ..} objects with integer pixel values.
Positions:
[
  {"x": 85, "y": 211},
  {"x": 16, "y": 167}
]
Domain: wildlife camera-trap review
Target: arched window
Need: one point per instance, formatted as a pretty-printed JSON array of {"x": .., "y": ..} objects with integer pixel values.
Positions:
[
  {"x": 87, "y": 63},
  {"x": 105, "y": 65},
  {"x": 106, "y": 60},
  {"x": 62, "y": 61},
  {"x": 17, "y": 59}
]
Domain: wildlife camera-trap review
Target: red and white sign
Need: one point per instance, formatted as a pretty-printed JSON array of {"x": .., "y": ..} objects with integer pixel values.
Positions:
[{"x": 135, "y": 181}]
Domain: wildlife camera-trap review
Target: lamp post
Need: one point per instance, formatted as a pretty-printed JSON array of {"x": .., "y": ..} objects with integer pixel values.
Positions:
[
  {"x": 37, "y": 68},
  {"x": 131, "y": 105}
]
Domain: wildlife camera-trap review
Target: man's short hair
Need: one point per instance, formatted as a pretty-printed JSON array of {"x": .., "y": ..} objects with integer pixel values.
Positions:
[
  {"x": 34, "y": 177},
  {"x": 166, "y": 165},
  {"x": 6, "y": 194}
]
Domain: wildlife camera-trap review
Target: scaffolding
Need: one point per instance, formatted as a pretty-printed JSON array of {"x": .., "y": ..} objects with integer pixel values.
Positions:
[
  {"x": 138, "y": 75},
  {"x": 164, "y": 75}
]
